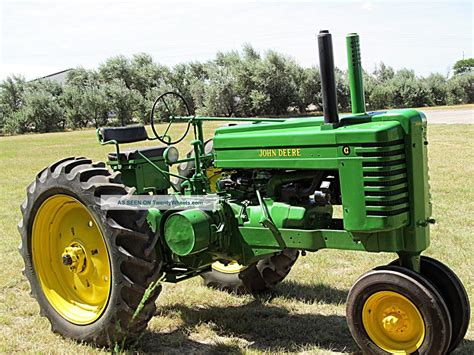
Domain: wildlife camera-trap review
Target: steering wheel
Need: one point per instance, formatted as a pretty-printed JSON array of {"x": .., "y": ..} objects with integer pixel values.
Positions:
[{"x": 165, "y": 138}]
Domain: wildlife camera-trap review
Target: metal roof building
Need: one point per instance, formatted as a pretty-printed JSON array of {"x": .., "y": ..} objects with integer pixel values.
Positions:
[{"x": 59, "y": 77}]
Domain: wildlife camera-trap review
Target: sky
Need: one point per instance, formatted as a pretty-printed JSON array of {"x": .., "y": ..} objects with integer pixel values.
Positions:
[{"x": 41, "y": 37}]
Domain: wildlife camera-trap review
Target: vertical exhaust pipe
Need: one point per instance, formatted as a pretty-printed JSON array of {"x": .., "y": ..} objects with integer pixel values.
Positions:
[{"x": 328, "y": 79}]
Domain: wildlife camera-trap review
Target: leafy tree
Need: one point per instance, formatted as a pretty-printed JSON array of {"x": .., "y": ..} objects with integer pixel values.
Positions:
[
  {"x": 117, "y": 68},
  {"x": 146, "y": 104},
  {"x": 380, "y": 96},
  {"x": 76, "y": 99},
  {"x": 19, "y": 122},
  {"x": 97, "y": 105},
  {"x": 11, "y": 97},
  {"x": 308, "y": 84},
  {"x": 343, "y": 91},
  {"x": 370, "y": 84},
  {"x": 383, "y": 73},
  {"x": 80, "y": 77},
  {"x": 74, "y": 106},
  {"x": 249, "y": 53},
  {"x": 123, "y": 101},
  {"x": 235, "y": 83},
  {"x": 220, "y": 94},
  {"x": 188, "y": 79},
  {"x": 463, "y": 66},
  {"x": 437, "y": 86},
  {"x": 11, "y": 93},
  {"x": 41, "y": 110},
  {"x": 407, "y": 90},
  {"x": 145, "y": 74},
  {"x": 243, "y": 71},
  {"x": 274, "y": 79},
  {"x": 461, "y": 89}
]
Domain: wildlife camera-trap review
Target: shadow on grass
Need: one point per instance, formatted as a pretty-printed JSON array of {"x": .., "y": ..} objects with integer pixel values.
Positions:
[
  {"x": 465, "y": 347},
  {"x": 178, "y": 342},
  {"x": 309, "y": 293},
  {"x": 264, "y": 327}
]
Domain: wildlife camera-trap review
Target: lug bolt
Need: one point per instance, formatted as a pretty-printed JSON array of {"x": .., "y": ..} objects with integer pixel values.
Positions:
[{"x": 67, "y": 260}]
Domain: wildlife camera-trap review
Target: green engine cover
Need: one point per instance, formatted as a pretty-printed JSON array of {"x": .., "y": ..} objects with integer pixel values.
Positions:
[{"x": 380, "y": 159}]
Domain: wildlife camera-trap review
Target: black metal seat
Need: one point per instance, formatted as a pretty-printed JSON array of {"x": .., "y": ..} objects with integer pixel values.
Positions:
[{"x": 132, "y": 154}]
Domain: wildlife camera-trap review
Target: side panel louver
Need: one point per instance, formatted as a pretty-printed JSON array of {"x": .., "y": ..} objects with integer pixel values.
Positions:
[{"x": 385, "y": 178}]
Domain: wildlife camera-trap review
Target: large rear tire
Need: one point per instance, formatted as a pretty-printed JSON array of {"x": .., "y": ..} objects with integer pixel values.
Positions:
[
  {"x": 256, "y": 278},
  {"x": 88, "y": 267}
]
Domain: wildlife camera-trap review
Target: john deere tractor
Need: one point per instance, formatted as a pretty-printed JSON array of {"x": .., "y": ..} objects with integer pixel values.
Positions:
[{"x": 96, "y": 269}]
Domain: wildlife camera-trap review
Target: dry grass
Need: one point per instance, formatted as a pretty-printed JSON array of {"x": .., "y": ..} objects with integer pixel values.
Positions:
[{"x": 306, "y": 313}]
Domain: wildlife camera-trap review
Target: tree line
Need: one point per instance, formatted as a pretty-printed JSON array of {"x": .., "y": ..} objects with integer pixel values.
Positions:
[{"x": 236, "y": 83}]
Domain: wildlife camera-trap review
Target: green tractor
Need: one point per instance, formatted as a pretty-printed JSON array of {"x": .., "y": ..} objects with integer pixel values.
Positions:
[{"x": 96, "y": 271}]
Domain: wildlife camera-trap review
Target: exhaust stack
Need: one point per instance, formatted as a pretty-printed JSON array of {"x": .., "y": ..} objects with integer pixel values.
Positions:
[
  {"x": 328, "y": 80},
  {"x": 356, "y": 81}
]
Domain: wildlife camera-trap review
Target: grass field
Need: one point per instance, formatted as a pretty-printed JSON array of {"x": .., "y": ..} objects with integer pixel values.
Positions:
[{"x": 306, "y": 313}]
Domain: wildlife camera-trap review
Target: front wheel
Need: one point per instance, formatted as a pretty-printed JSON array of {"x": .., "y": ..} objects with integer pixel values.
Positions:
[
  {"x": 255, "y": 278},
  {"x": 453, "y": 292},
  {"x": 392, "y": 310},
  {"x": 88, "y": 267}
]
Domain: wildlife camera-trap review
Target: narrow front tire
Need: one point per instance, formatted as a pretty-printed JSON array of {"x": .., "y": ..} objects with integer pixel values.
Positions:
[{"x": 392, "y": 311}]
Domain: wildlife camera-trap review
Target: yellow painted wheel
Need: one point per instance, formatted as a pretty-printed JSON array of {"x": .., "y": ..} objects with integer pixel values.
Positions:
[
  {"x": 393, "y": 322},
  {"x": 71, "y": 259},
  {"x": 232, "y": 267},
  {"x": 254, "y": 278},
  {"x": 394, "y": 310},
  {"x": 88, "y": 267}
]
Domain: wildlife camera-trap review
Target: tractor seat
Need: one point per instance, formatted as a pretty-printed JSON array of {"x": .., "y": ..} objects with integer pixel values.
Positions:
[
  {"x": 128, "y": 134},
  {"x": 132, "y": 154}
]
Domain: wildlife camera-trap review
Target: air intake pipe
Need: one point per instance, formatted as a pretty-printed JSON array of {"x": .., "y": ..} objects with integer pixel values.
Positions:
[
  {"x": 328, "y": 80},
  {"x": 356, "y": 81}
]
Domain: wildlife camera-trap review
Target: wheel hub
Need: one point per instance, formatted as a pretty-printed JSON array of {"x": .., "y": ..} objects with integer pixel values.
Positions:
[
  {"x": 74, "y": 257},
  {"x": 71, "y": 259},
  {"x": 393, "y": 322}
]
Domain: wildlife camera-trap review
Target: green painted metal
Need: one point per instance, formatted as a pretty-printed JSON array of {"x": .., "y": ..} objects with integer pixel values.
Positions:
[
  {"x": 356, "y": 79},
  {"x": 154, "y": 219},
  {"x": 379, "y": 159},
  {"x": 143, "y": 173},
  {"x": 284, "y": 215},
  {"x": 200, "y": 119},
  {"x": 188, "y": 232}
]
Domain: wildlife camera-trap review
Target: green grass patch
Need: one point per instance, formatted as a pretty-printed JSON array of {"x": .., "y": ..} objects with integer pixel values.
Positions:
[{"x": 306, "y": 313}]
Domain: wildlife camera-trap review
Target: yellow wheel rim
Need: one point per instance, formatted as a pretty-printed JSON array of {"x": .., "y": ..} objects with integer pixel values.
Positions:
[
  {"x": 232, "y": 267},
  {"x": 393, "y": 322},
  {"x": 71, "y": 259}
]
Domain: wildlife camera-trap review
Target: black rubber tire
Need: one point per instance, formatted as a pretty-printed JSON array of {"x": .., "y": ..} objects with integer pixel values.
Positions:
[
  {"x": 416, "y": 288},
  {"x": 129, "y": 241},
  {"x": 259, "y": 277},
  {"x": 453, "y": 292}
]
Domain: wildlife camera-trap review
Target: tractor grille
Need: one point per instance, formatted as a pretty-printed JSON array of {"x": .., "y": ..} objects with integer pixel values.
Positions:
[{"x": 385, "y": 178}]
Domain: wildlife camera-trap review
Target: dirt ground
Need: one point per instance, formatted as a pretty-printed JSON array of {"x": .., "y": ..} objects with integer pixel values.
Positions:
[{"x": 458, "y": 116}]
